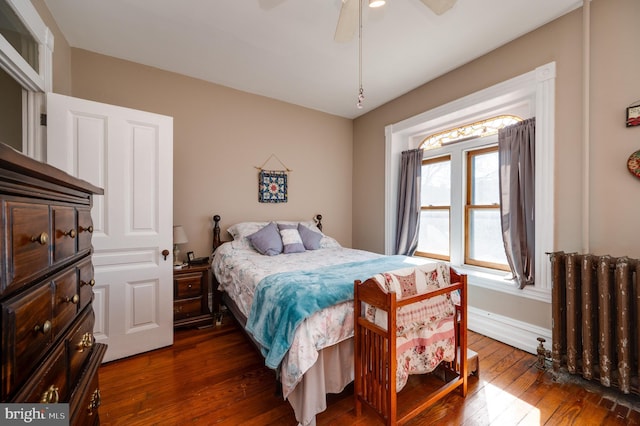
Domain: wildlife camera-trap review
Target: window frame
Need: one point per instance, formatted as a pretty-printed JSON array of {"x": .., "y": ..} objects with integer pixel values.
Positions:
[
  {"x": 35, "y": 83},
  {"x": 432, "y": 160},
  {"x": 468, "y": 260},
  {"x": 460, "y": 193},
  {"x": 527, "y": 95}
]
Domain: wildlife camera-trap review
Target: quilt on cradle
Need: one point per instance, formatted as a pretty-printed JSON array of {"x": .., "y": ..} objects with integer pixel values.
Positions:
[{"x": 425, "y": 330}]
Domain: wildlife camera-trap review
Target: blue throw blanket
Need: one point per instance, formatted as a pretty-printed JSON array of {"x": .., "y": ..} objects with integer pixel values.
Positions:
[{"x": 282, "y": 301}]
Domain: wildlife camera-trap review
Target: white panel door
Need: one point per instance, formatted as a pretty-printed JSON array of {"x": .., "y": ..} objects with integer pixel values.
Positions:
[{"x": 129, "y": 153}]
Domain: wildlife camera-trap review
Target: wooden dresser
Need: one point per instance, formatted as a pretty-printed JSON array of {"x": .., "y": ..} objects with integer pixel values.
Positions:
[{"x": 48, "y": 353}]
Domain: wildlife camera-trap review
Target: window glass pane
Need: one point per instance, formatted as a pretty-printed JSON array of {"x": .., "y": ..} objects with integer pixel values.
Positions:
[
  {"x": 18, "y": 36},
  {"x": 485, "y": 236},
  {"x": 434, "y": 232},
  {"x": 436, "y": 184},
  {"x": 485, "y": 179}
]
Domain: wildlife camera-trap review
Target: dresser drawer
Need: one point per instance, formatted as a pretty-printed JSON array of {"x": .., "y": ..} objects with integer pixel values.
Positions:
[
  {"x": 27, "y": 241},
  {"x": 191, "y": 296},
  {"x": 80, "y": 344},
  {"x": 86, "y": 282},
  {"x": 49, "y": 382},
  {"x": 48, "y": 353},
  {"x": 66, "y": 300},
  {"x": 188, "y": 285},
  {"x": 187, "y": 308},
  {"x": 87, "y": 411},
  {"x": 85, "y": 400},
  {"x": 65, "y": 232},
  {"x": 26, "y": 334},
  {"x": 85, "y": 229}
]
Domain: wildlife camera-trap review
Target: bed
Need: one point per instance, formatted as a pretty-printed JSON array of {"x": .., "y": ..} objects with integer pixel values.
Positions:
[{"x": 304, "y": 331}]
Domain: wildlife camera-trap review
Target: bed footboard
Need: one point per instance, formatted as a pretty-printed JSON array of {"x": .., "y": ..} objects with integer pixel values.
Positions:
[{"x": 375, "y": 350}]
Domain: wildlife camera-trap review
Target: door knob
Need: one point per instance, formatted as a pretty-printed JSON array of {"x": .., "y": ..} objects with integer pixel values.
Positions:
[{"x": 165, "y": 253}]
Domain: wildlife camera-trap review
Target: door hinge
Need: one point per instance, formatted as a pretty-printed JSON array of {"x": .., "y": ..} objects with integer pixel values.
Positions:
[{"x": 43, "y": 119}]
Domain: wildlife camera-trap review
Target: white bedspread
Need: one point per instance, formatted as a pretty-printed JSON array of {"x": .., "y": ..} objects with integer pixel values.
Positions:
[{"x": 239, "y": 269}]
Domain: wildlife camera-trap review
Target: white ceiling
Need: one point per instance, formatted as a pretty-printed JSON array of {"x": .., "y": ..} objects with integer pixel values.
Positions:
[{"x": 284, "y": 49}]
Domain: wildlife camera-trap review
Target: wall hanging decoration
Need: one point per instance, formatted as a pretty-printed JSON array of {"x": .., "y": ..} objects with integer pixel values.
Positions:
[
  {"x": 633, "y": 114},
  {"x": 272, "y": 184},
  {"x": 633, "y": 164}
]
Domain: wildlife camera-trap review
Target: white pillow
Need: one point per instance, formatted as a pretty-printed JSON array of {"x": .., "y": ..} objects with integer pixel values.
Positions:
[{"x": 244, "y": 229}]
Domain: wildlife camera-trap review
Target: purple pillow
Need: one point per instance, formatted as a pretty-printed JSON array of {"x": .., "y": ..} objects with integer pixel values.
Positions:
[
  {"x": 310, "y": 239},
  {"x": 291, "y": 240},
  {"x": 267, "y": 240}
]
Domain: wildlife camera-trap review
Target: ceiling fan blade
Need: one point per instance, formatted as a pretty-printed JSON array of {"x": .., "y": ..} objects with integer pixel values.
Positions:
[
  {"x": 439, "y": 6},
  {"x": 347, "y": 21}
]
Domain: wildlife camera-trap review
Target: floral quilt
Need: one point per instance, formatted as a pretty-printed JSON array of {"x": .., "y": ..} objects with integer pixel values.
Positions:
[{"x": 425, "y": 334}]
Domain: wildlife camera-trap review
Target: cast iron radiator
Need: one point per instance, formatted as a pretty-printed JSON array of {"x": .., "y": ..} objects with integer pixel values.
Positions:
[{"x": 595, "y": 305}]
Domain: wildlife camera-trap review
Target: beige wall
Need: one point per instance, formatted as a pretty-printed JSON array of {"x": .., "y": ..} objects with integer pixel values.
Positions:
[
  {"x": 615, "y": 66},
  {"x": 221, "y": 134},
  {"x": 61, "y": 51},
  {"x": 614, "y": 206}
]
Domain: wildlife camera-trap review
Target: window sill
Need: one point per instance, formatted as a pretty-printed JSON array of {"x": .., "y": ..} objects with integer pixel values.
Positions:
[{"x": 496, "y": 281}]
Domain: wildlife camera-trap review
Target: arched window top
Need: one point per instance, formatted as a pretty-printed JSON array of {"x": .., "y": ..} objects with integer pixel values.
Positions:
[{"x": 469, "y": 131}]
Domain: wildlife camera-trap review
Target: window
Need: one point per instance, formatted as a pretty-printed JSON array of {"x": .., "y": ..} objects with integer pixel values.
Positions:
[
  {"x": 479, "y": 129},
  {"x": 26, "y": 47},
  {"x": 527, "y": 95},
  {"x": 483, "y": 230},
  {"x": 435, "y": 216},
  {"x": 460, "y": 205},
  {"x": 474, "y": 173}
]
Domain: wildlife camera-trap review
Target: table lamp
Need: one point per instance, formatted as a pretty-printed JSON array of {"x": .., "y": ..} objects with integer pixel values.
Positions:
[{"x": 179, "y": 237}]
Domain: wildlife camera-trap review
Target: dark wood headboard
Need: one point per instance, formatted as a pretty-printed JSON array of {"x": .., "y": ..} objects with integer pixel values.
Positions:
[{"x": 216, "y": 229}]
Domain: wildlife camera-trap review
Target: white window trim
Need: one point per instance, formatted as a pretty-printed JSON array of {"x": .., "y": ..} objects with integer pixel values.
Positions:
[
  {"x": 34, "y": 82},
  {"x": 534, "y": 90}
]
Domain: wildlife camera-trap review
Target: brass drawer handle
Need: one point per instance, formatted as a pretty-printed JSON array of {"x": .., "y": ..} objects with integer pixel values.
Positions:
[
  {"x": 51, "y": 395},
  {"x": 41, "y": 239},
  {"x": 75, "y": 299},
  {"x": 86, "y": 342},
  {"x": 71, "y": 233},
  {"x": 44, "y": 328},
  {"x": 91, "y": 282},
  {"x": 95, "y": 402},
  {"x": 89, "y": 229}
]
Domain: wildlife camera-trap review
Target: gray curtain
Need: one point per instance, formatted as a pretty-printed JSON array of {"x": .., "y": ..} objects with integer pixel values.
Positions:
[
  {"x": 516, "y": 151},
  {"x": 409, "y": 202}
]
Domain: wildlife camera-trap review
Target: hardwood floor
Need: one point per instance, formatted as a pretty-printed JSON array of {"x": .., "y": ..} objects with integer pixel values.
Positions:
[{"x": 213, "y": 376}]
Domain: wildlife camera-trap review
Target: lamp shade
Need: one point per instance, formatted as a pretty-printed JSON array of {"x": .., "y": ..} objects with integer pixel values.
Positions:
[{"x": 179, "y": 236}]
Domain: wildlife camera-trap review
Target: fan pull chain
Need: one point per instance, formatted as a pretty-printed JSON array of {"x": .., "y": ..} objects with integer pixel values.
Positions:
[{"x": 361, "y": 91}]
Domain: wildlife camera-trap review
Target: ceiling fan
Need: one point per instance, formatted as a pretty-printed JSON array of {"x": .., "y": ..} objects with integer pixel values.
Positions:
[{"x": 348, "y": 19}]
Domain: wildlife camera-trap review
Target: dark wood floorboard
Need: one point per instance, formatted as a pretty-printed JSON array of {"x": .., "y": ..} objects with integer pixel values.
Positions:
[{"x": 214, "y": 376}]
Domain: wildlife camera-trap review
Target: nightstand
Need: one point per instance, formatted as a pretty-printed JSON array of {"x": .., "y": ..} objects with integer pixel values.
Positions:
[{"x": 191, "y": 296}]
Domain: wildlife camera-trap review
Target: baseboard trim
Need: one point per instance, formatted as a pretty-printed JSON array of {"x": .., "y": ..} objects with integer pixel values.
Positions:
[{"x": 513, "y": 332}]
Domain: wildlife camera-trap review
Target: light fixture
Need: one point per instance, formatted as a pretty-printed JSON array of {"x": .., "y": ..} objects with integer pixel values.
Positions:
[
  {"x": 376, "y": 3},
  {"x": 359, "y": 104},
  {"x": 179, "y": 237}
]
